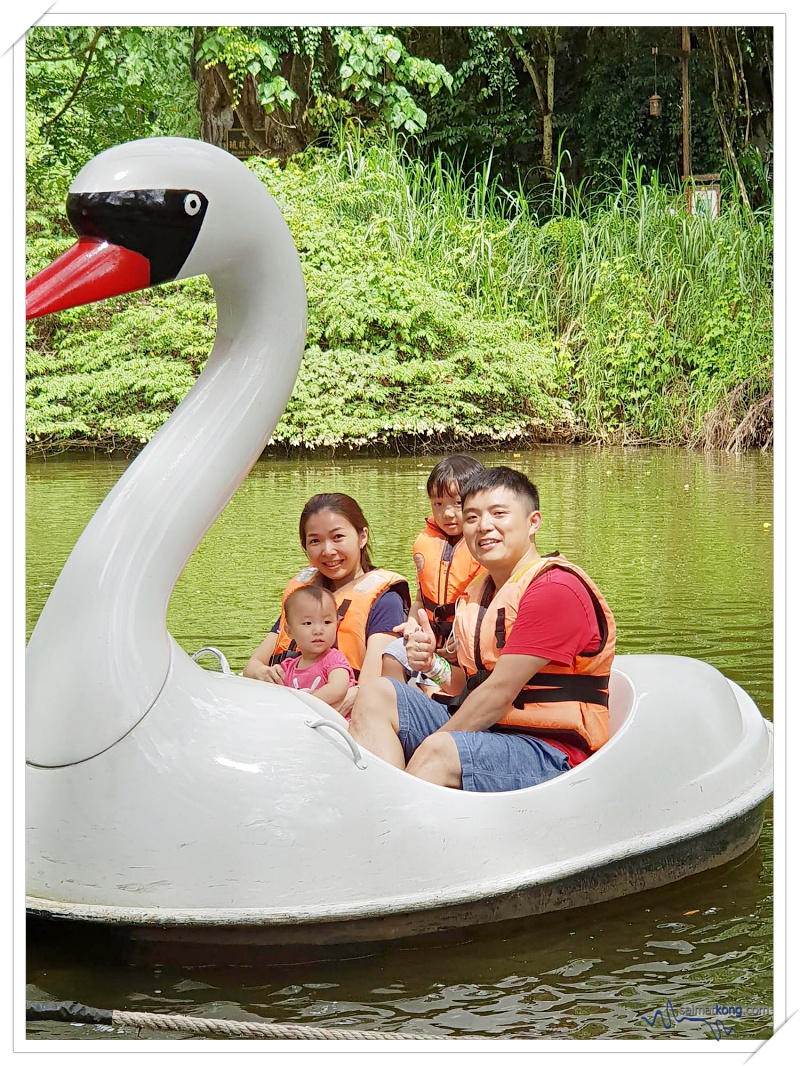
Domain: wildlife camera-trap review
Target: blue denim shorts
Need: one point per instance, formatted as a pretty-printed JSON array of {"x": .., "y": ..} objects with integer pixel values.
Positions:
[{"x": 490, "y": 762}]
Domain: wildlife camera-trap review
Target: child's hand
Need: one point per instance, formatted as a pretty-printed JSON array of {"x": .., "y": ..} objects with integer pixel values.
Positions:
[
  {"x": 421, "y": 645},
  {"x": 346, "y": 706},
  {"x": 273, "y": 675},
  {"x": 405, "y": 630}
]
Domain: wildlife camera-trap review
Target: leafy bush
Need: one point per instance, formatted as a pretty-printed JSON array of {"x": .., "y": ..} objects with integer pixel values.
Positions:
[{"x": 443, "y": 308}]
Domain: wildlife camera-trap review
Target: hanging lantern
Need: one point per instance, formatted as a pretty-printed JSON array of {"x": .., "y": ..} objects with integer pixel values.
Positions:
[{"x": 655, "y": 99}]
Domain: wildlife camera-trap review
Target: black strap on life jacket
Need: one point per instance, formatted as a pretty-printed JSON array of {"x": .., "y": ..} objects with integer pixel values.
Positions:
[
  {"x": 487, "y": 596},
  {"x": 452, "y": 703},
  {"x": 442, "y": 612},
  {"x": 442, "y": 620},
  {"x": 500, "y": 628},
  {"x": 545, "y": 688},
  {"x": 477, "y": 679},
  {"x": 290, "y": 653},
  {"x": 564, "y": 688}
]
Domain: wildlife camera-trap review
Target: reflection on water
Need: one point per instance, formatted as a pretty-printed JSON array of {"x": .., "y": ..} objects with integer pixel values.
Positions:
[{"x": 681, "y": 545}]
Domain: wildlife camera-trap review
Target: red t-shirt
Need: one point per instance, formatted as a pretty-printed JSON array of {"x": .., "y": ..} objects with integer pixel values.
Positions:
[{"x": 556, "y": 621}]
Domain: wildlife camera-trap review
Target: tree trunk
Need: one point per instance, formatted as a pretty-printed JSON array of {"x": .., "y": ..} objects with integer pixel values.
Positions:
[
  {"x": 288, "y": 134},
  {"x": 249, "y": 112},
  {"x": 543, "y": 83},
  {"x": 547, "y": 117},
  {"x": 718, "y": 46},
  {"x": 686, "y": 105},
  {"x": 274, "y": 134},
  {"x": 213, "y": 101}
]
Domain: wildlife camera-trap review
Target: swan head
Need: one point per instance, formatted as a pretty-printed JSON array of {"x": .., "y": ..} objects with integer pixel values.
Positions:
[{"x": 153, "y": 211}]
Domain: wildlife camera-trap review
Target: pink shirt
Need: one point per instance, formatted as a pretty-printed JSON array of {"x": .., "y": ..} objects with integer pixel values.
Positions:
[{"x": 315, "y": 676}]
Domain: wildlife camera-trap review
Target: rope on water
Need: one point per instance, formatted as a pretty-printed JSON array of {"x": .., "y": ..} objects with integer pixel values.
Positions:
[
  {"x": 254, "y": 1030},
  {"x": 70, "y": 1011}
]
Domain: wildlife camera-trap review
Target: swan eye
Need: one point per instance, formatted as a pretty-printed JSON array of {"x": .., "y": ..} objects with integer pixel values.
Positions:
[{"x": 191, "y": 203}]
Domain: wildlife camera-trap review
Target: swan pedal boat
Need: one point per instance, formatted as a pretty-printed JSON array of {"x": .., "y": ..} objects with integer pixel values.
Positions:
[{"x": 192, "y": 805}]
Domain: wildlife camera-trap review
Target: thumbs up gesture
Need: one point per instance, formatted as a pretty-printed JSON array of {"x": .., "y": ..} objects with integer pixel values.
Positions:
[{"x": 421, "y": 645}]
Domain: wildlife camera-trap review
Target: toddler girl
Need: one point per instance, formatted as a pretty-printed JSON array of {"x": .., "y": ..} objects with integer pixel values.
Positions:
[{"x": 320, "y": 668}]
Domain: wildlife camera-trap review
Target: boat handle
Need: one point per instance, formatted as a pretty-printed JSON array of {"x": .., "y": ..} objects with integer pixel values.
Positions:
[
  {"x": 323, "y": 723},
  {"x": 208, "y": 650}
]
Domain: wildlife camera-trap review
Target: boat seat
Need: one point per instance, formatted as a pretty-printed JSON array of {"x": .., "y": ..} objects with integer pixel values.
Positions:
[{"x": 620, "y": 701}]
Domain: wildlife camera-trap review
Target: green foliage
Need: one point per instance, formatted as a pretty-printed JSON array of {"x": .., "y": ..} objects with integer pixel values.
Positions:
[
  {"x": 392, "y": 356},
  {"x": 666, "y": 313},
  {"x": 111, "y": 374},
  {"x": 257, "y": 53},
  {"x": 446, "y": 300},
  {"x": 377, "y": 68},
  {"x": 352, "y": 71},
  {"x": 444, "y": 307},
  {"x": 613, "y": 112},
  {"x": 487, "y": 109},
  {"x": 604, "y": 76},
  {"x": 88, "y": 88}
]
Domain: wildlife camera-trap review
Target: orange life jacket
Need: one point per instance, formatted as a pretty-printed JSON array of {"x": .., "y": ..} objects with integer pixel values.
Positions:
[
  {"x": 353, "y": 606},
  {"x": 444, "y": 570},
  {"x": 558, "y": 698}
]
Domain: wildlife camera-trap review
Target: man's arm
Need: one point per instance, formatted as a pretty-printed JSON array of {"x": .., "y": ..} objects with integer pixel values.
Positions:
[
  {"x": 487, "y": 704},
  {"x": 553, "y": 620}
]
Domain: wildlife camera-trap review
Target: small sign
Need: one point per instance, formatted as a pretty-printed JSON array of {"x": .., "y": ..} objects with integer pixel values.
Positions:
[
  {"x": 702, "y": 195},
  {"x": 239, "y": 144}
]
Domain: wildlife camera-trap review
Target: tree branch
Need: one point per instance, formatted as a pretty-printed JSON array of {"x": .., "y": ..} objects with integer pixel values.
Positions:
[
  {"x": 77, "y": 89},
  {"x": 730, "y": 151},
  {"x": 531, "y": 69},
  {"x": 746, "y": 91},
  {"x": 54, "y": 59}
]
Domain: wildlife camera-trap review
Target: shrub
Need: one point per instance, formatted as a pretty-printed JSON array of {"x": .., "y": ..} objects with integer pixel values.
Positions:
[{"x": 443, "y": 307}]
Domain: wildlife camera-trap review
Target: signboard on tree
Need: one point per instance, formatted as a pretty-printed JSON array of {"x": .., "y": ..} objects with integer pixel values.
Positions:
[{"x": 239, "y": 144}]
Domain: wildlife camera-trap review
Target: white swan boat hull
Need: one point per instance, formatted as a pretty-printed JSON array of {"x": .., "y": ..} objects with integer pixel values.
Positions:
[
  {"x": 305, "y": 839},
  {"x": 178, "y": 802}
]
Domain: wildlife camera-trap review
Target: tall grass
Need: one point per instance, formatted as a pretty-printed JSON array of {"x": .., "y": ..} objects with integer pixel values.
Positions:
[
  {"x": 655, "y": 313},
  {"x": 465, "y": 225}
]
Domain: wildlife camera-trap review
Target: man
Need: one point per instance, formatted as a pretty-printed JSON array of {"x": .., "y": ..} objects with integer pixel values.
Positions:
[{"x": 535, "y": 642}]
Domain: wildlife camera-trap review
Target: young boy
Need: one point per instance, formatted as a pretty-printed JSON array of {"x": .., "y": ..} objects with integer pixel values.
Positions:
[
  {"x": 319, "y": 668},
  {"x": 444, "y": 569}
]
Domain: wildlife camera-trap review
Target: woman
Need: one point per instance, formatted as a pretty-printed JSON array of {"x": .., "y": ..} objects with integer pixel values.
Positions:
[{"x": 370, "y": 601}]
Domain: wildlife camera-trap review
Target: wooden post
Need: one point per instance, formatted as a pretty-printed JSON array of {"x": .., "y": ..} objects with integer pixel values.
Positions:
[{"x": 686, "y": 48}]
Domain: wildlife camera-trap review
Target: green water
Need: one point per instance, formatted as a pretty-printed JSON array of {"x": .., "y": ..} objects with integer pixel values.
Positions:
[{"x": 681, "y": 544}]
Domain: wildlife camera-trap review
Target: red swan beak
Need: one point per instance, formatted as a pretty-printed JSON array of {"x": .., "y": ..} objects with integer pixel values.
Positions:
[{"x": 91, "y": 270}]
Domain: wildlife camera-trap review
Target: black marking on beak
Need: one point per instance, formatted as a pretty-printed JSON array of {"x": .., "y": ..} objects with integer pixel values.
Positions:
[{"x": 160, "y": 224}]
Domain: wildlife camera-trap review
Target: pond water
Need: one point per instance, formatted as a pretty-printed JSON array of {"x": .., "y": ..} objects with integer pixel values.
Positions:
[{"x": 681, "y": 545}]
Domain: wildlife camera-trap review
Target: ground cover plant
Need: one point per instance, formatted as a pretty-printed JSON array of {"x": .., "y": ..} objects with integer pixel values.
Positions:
[{"x": 445, "y": 307}]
